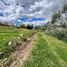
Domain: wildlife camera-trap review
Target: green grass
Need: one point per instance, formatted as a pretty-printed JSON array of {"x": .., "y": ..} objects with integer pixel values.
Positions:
[
  {"x": 49, "y": 52},
  {"x": 9, "y": 34}
]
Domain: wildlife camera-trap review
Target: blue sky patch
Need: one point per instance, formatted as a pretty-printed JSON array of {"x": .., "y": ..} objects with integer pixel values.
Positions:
[
  {"x": 1, "y": 14},
  {"x": 27, "y": 19}
]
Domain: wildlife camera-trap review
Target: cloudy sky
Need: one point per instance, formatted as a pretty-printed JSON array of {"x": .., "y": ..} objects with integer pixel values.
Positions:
[{"x": 12, "y": 9}]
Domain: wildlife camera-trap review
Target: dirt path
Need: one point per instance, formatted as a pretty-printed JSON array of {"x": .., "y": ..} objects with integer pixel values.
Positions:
[{"x": 22, "y": 53}]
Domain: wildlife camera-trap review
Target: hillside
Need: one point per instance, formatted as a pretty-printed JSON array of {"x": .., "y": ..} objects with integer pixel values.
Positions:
[
  {"x": 10, "y": 39},
  {"x": 21, "y": 48}
]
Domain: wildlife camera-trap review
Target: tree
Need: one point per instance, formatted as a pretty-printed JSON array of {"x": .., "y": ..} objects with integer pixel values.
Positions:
[
  {"x": 55, "y": 16},
  {"x": 23, "y": 26},
  {"x": 30, "y": 26},
  {"x": 64, "y": 10}
]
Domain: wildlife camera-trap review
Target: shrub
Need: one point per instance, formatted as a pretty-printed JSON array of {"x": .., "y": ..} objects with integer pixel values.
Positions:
[
  {"x": 29, "y": 26},
  {"x": 60, "y": 33}
]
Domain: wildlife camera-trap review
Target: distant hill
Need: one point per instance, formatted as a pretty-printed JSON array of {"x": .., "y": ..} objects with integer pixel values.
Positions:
[{"x": 1, "y": 24}]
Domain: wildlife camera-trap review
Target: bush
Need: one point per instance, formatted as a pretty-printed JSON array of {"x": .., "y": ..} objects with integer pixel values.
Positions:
[
  {"x": 60, "y": 33},
  {"x": 29, "y": 26}
]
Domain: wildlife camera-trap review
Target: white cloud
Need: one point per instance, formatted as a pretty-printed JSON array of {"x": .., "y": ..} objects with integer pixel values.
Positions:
[
  {"x": 13, "y": 9},
  {"x": 47, "y": 7}
]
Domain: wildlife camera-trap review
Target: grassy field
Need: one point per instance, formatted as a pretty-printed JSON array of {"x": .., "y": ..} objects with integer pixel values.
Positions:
[
  {"x": 9, "y": 34},
  {"x": 49, "y": 52}
]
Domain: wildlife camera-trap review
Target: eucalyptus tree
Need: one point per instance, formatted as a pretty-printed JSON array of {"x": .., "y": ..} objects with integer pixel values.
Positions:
[{"x": 55, "y": 16}]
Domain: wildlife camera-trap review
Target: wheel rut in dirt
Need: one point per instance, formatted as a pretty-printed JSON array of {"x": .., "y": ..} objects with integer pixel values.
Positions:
[{"x": 22, "y": 53}]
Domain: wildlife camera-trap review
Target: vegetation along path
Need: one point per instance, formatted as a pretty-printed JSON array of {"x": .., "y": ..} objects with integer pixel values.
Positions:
[
  {"x": 22, "y": 53},
  {"x": 49, "y": 52}
]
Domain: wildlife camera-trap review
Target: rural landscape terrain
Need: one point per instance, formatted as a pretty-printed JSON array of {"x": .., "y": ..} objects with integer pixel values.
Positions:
[{"x": 34, "y": 41}]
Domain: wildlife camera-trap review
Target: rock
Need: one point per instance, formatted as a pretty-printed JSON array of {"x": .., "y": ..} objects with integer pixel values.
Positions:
[
  {"x": 1, "y": 53},
  {"x": 18, "y": 37},
  {"x": 9, "y": 43},
  {"x": 28, "y": 39},
  {"x": 6, "y": 62},
  {"x": 21, "y": 35},
  {"x": 5, "y": 59}
]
